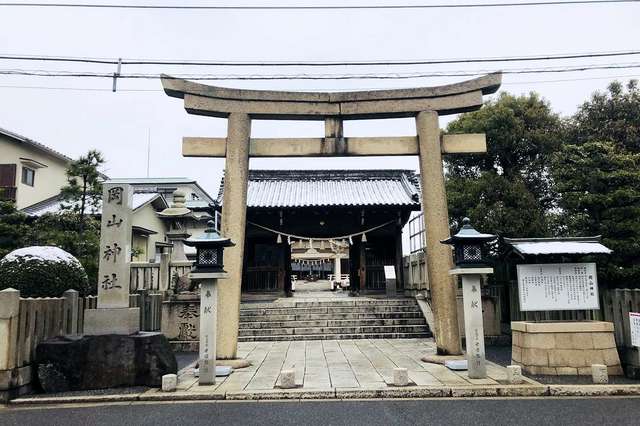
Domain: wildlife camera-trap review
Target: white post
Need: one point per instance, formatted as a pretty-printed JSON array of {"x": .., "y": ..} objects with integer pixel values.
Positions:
[
  {"x": 473, "y": 329},
  {"x": 9, "y": 313},
  {"x": 473, "y": 326},
  {"x": 71, "y": 329},
  {"x": 208, "y": 323}
]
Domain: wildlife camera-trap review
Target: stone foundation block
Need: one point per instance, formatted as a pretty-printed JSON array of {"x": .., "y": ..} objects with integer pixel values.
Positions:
[
  {"x": 514, "y": 374},
  {"x": 564, "y": 348},
  {"x": 539, "y": 341},
  {"x": 101, "y": 321},
  {"x": 400, "y": 377},
  {"x": 599, "y": 374},
  {"x": 169, "y": 382},
  {"x": 603, "y": 341},
  {"x": 534, "y": 356}
]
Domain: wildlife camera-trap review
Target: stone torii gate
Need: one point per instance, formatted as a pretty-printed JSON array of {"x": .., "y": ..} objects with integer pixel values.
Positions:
[{"x": 240, "y": 106}]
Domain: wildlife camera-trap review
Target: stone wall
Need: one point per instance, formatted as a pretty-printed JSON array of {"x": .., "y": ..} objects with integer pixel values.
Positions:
[
  {"x": 564, "y": 348},
  {"x": 181, "y": 321}
]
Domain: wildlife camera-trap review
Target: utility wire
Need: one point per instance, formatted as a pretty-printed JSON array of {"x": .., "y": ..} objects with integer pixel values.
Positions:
[
  {"x": 507, "y": 83},
  {"x": 543, "y": 57},
  {"x": 371, "y": 76},
  {"x": 313, "y": 7}
]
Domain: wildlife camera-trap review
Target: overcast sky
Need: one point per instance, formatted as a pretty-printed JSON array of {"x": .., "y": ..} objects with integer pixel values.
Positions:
[{"x": 74, "y": 121}]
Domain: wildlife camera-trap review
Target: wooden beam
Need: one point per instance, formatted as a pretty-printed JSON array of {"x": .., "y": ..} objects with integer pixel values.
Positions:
[{"x": 334, "y": 147}]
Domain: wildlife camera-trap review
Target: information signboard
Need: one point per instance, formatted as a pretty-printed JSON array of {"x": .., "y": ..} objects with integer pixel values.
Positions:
[
  {"x": 558, "y": 286},
  {"x": 389, "y": 272},
  {"x": 634, "y": 327}
]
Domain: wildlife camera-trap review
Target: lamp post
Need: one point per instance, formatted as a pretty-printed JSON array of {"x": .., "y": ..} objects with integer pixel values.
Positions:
[
  {"x": 208, "y": 269},
  {"x": 470, "y": 256}
]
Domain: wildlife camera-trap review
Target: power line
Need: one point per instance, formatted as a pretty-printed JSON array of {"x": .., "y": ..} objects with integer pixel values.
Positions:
[
  {"x": 370, "y": 76},
  {"x": 508, "y": 83},
  {"x": 314, "y": 7},
  {"x": 543, "y": 57}
]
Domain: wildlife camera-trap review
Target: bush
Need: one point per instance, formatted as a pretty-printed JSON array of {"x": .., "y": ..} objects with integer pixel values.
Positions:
[{"x": 42, "y": 271}]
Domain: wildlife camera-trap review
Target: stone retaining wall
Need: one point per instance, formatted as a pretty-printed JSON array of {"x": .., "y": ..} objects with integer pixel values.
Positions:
[{"x": 564, "y": 348}]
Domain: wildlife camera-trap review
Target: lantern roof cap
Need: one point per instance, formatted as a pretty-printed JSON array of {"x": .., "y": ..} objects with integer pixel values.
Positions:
[
  {"x": 468, "y": 233},
  {"x": 210, "y": 236}
]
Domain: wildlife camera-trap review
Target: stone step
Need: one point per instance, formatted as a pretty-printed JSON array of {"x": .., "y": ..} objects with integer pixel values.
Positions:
[
  {"x": 332, "y": 323},
  {"x": 332, "y": 316},
  {"x": 328, "y": 310},
  {"x": 334, "y": 330},
  {"x": 328, "y": 303},
  {"x": 335, "y": 337}
]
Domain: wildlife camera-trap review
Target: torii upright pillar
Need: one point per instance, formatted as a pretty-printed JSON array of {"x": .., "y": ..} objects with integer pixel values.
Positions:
[
  {"x": 234, "y": 218},
  {"x": 436, "y": 229}
]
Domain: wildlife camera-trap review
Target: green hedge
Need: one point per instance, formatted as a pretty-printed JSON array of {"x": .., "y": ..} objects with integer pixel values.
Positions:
[{"x": 36, "y": 277}]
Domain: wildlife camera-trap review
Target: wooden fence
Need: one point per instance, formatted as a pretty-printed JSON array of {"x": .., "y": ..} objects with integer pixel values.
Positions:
[
  {"x": 415, "y": 274},
  {"x": 615, "y": 306},
  {"x": 25, "y": 322},
  {"x": 157, "y": 276}
]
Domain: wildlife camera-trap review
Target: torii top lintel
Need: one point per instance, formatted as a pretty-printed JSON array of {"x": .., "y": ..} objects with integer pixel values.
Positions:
[{"x": 202, "y": 99}]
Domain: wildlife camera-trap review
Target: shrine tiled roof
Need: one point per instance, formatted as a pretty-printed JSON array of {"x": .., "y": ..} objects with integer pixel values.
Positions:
[
  {"x": 315, "y": 188},
  {"x": 558, "y": 246}
]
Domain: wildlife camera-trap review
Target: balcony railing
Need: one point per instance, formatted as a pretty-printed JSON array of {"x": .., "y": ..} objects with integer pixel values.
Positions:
[{"x": 8, "y": 193}]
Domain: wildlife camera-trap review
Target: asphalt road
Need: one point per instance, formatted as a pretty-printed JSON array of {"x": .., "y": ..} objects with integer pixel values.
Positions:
[{"x": 542, "y": 411}]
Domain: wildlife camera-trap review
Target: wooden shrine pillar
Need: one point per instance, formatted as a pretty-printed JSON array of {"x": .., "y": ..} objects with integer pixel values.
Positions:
[
  {"x": 436, "y": 227},
  {"x": 362, "y": 265},
  {"x": 398, "y": 259},
  {"x": 234, "y": 220}
]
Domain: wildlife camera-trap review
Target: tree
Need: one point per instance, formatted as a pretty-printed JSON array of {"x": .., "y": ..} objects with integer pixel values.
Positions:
[
  {"x": 83, "y": 192},
  {"x": 13, "y": 227},
  {"x": 508, "y": 189},
  {"x": 610, "y": 116},
  {"x": 597, "y": 175}
]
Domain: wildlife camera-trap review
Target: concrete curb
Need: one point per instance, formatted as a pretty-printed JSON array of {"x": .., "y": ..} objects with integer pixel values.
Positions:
[{"x": 513, "y": 391}]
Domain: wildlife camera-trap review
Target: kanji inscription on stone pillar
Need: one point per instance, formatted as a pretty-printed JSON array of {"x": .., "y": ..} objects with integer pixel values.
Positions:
[{"x": 115, "y": 246}]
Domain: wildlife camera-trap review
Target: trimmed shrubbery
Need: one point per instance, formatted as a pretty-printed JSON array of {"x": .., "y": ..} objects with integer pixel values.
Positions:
[{"x": 42, "y": 271}]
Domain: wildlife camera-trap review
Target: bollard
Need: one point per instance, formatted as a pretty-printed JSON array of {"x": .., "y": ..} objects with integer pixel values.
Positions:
[
  {"x": 169, "y": 382},
  {"x": 287, "y": 379},
  {"x": 514, "y": 374},
  {"x": 599, "y": 374},
  {"x": 400, "y": 377}
]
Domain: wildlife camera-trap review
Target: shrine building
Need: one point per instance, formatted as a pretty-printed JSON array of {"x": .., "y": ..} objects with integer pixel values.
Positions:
[{"x": 316, "y": 222}]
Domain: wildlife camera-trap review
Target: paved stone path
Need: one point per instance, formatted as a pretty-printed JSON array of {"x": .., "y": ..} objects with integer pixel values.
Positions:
[{"x": 327, "y": 365}]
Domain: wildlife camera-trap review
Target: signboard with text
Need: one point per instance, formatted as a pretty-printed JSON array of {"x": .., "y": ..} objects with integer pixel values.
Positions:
[
  {"x": 558, "y": 287},
  {"x": 634, "y": 328}
]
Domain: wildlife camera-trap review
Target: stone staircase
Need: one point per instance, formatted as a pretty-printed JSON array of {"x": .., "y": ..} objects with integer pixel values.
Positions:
[{"x": 335, "y": 319}]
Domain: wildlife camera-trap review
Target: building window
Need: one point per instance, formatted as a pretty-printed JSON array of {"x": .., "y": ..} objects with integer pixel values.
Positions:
[{"x": 28, "y": 176}]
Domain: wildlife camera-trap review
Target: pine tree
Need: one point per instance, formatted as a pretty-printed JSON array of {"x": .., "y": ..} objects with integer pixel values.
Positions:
[{"x": 83, "y": 192}]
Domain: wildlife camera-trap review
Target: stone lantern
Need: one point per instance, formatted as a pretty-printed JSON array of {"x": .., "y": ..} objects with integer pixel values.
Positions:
[
  {"x": 209, "y": 250},
  {"x": 470, "y": 246},
  {"x": 176, "y": 215},
  {"x": 208, "y": 269}
]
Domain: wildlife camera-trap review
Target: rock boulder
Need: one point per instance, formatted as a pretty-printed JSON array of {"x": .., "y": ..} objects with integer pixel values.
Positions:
[{"x": 106, "y": 361}]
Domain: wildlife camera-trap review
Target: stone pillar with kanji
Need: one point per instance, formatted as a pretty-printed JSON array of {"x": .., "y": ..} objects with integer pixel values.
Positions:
[{"x": 113, "y": 314}]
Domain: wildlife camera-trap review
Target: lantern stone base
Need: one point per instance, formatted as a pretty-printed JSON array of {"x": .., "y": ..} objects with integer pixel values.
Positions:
[
  {"x": 123, "y": 321},
  {"x": 564, "y": 348}
]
